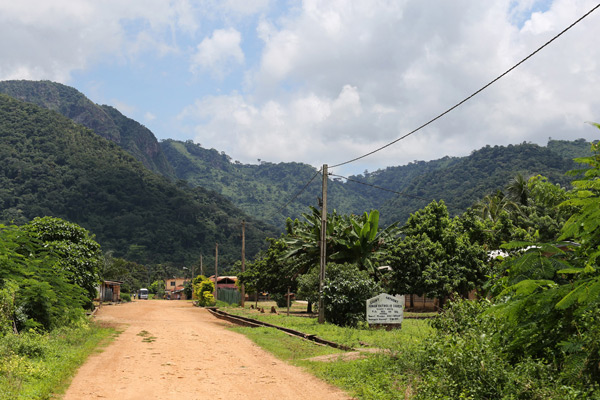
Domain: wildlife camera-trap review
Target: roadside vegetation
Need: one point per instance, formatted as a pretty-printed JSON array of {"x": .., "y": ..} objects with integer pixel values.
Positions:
[
  {"x": 39, "y": 365},
  {"x": 48, "y": 271},
  {"x": 534, "y": 333}
]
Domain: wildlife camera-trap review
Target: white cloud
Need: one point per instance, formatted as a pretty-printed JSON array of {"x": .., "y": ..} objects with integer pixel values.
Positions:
[
  {"x": 323, "y": 80},
  {"x": 148, "y": 116},
  {"x": 350, "y": 76},
  {"x": 52, "y": 39},
  {"x": 219, "y": 53}
]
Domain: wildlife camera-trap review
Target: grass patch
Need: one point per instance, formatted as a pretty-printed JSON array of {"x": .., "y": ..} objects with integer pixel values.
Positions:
[
  {"x": 387, "y": 374},
  {"x": 147, "y": 337},
  {"x": 36, "y": 366},
  {"x": 412, "y": 332}
]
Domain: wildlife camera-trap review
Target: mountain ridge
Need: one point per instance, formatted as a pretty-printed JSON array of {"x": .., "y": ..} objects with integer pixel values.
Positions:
[
  {"x": 52, "y": 166},
  {"x": 266, "y": 190}
]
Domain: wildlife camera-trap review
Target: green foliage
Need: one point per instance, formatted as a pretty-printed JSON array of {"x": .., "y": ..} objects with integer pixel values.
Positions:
[
  {"x": 37, "y": 290},
  {"x": 103, "y": 120},
  {"x": 157, "y": 288},
  {"x": 37, "y": 366},
  {"x": 350, "y": 239},
  {"x": 54, "y": 167},
  {"x": 466, "y": 359},
  {"x": 256, "y": 189},
  {"x": 133, "y": 275},
  {"x": 548, "y": 298},
  {"x": 80, "y": 255},
  {"x": 462, "y": 182},
  {"x": 203, "y": 290},
  {"x": 345, "y": 292},
  {"x": 436, "y": 257},
  {"x": 272, "y": 272}
]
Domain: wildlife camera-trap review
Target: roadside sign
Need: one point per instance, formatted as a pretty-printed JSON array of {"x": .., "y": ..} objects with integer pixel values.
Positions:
[{"x": 385, "y": 309}]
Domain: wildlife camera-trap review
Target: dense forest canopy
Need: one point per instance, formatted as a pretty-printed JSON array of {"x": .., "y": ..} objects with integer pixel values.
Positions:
[
  {"x": 460, "y": 181},
  {"x": 261, "y": 190},
  {"x": 52, "y": 166},
  {"x": 104, "y": 120}
]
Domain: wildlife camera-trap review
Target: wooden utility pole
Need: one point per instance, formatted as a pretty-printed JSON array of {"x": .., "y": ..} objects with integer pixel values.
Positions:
[
  {"x": 201, "y": 267},
  {"x": 243, "y": 261},
  {"x": 323, "y": 245},
  {"x": 216, "y": 268}
]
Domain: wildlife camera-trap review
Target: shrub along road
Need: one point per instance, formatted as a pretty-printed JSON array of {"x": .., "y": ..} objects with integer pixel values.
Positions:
[{"x": 172, "y": 349}]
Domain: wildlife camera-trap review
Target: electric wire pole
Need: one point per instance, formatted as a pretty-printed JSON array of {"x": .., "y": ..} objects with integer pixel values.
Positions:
[
  {"x": 323, "y": 245},
  {"x": 243, "y": 261},
  {"x": 216, "y": 268}
]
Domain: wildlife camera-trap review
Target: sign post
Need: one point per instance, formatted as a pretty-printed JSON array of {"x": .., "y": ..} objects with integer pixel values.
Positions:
[{"x": 386, "y": 310}]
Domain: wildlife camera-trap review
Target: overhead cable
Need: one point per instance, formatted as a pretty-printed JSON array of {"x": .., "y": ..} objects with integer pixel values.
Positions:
[
  {"x": 472, "y": 95},
  {"x": 381, "y": 188},
  {"x": 297, "y": 194}
]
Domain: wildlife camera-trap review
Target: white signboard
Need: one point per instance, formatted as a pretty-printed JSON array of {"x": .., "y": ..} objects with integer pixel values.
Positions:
[{"x": 385, "y": 309}]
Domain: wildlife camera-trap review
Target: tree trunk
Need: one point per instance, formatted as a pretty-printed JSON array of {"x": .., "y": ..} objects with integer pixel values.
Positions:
[
  {"x": 309, "y": 307},
  {"x": 441, "y": 302}
]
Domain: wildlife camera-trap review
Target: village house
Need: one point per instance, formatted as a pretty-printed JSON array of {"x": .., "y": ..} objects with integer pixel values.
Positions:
[{"x": 174, "y": 289}]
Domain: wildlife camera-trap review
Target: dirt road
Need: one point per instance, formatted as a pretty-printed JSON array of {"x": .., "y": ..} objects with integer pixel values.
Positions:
[{"x": 170, "y": 349}]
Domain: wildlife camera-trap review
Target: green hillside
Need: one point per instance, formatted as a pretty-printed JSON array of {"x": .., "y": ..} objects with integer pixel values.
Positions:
[
  {"x": 460, "y": 181},
  {"x": 260, "y": 190},
  {"x": 52, "y": 166},
  {"x": 263, "y": 190},
  {"x": 106, "y": 121},
  {"x": 463, "y": 181}
]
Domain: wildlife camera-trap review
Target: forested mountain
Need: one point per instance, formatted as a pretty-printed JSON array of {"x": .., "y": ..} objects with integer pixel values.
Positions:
[
  {"x": 106, "y": 121},
  {"x": 460, "y": 181},
  {"x": 260, "y": 190},
  {"x": 267, "y": 191},
  {"x": 53, "y": 166}
]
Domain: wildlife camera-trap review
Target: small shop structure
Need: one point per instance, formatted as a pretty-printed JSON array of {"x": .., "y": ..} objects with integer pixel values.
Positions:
[{"x": 109, "y": 292}]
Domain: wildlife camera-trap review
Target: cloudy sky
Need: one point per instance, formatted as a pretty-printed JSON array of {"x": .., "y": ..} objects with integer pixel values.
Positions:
[{"x": 320, "y": 81}]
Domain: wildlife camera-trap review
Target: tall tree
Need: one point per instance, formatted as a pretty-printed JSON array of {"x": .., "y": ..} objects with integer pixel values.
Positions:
[{"x": 436, "y": 257}]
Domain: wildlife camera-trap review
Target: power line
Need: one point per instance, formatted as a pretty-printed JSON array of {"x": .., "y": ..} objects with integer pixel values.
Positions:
[
  {"x": 472, "y": 95},
  {"x": 381, "y": 188},
  {"x": 297, "y": 194}
]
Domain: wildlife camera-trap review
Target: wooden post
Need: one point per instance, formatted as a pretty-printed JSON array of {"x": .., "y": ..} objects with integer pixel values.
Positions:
[
  {"x": 288, "y": 302},
  {"x": 201, "y": 267},
  {"x": 323, "y": 246},
  {"x": 216, "y": 268},
  {"x": 243, "y": 302}
]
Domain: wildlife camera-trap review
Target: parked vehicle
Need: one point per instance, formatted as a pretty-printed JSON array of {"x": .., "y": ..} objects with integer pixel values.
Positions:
[{"x": 143, "y": 294}]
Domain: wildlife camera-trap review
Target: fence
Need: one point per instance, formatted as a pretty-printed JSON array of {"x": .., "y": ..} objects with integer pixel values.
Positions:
[{"x": 231, "y": 296}]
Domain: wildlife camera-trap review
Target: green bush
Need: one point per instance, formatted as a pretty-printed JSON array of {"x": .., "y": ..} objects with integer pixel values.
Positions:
[
  {"x": 466, "y": 359},
  {"x": 125, "y": 297},
  {"x": 279, "y": 299},
  {"x": 345, "y": 292},
  {"x": 203, "y": 289}
]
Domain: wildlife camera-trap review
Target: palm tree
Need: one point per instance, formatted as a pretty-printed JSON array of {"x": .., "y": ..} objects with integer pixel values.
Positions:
[
  {"x": 491, "y": 206},
  {"x": 518, "y": 190}
]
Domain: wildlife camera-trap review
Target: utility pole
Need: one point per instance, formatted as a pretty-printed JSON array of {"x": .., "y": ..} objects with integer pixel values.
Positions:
[
  {"x": 323, "y": 245},
  {"x": 201, "y": 267},
  {"x": 216, "y": 267},
  {"x": 243, "y": 261}
]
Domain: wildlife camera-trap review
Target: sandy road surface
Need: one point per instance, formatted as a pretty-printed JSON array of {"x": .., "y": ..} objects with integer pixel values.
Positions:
[{"x": 170, "y": 349}]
